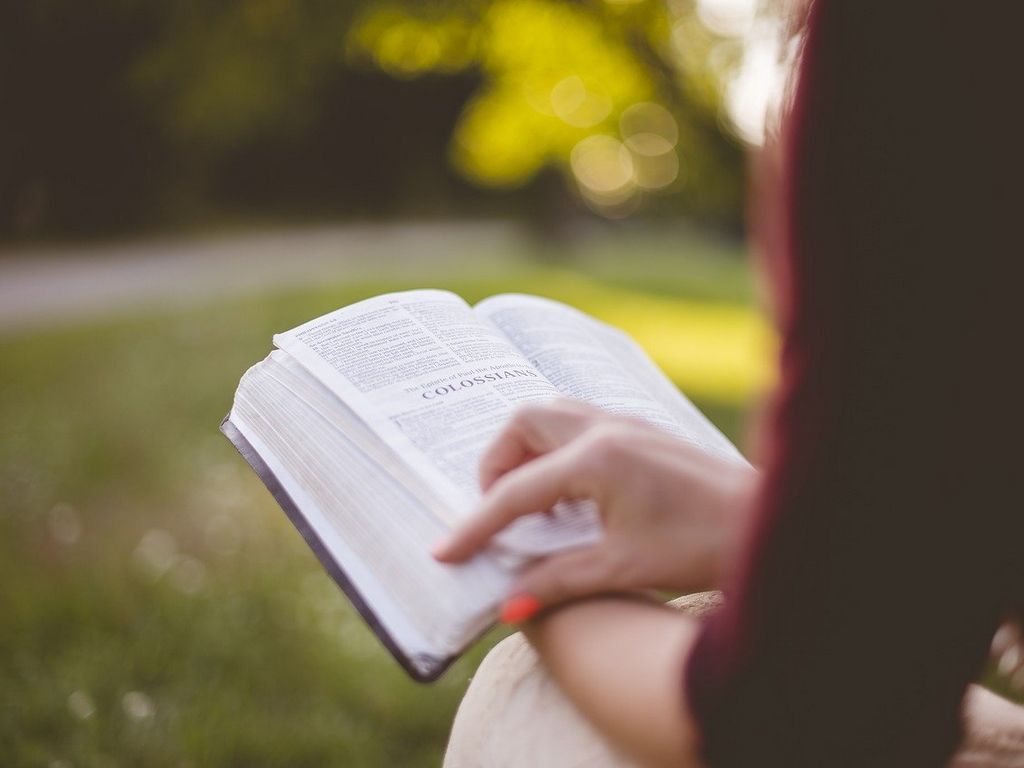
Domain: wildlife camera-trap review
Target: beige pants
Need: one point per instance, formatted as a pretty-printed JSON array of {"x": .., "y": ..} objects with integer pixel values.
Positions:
[{"x": 515, "y": 716}]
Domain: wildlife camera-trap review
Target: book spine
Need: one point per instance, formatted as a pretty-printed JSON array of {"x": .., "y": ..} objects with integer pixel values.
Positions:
[{"x": 421, "y": 667}]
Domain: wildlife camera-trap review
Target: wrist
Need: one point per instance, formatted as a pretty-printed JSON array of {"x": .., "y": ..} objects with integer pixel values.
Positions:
[
  {"x": 737, "y": 510},
  {"x": 565, "y": 613}
]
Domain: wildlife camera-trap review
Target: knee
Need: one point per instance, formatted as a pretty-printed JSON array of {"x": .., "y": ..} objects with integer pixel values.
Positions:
[{"x": 514, "y": 714}]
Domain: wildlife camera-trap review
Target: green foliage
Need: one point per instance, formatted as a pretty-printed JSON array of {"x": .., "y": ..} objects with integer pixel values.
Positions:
[
  {"x": 559, "y": 75},
  {"x": 554, "y": 75},
  {"x": 122, "y": 113},
  {"x": 157, "y": 608},
  {"x": 530, "y": 53},
  {"x": 223, "y": 72}
]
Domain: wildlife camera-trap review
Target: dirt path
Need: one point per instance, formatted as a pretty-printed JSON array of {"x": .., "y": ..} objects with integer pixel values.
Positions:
[{"x": 52, "y": 285}]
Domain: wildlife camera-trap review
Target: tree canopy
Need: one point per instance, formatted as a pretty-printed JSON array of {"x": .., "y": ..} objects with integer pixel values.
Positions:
[{"x": 122, "y": 112}]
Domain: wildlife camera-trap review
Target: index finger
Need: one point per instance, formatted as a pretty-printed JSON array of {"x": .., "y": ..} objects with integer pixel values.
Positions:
[
  {"x": 531, "y": 488},
  {"x": 533, "y": 431}
]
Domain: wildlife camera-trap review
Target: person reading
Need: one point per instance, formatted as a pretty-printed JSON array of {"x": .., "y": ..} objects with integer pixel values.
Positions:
[{"x": 868, "y": 564}]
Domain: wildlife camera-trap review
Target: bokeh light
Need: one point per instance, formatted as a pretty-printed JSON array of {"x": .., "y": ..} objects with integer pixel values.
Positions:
[
  {"x": 729, "y": 18},
  {"x": 651, "y": 133},
  {"x": 556, "y": 74},
  {"x": 577, "y": 105},
  {"x": 649, "y": 129},
  {"x": 604, "y": 169}
]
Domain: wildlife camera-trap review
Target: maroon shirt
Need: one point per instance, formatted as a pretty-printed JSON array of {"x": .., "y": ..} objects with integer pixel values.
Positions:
[{"x": 889, "y": 540}]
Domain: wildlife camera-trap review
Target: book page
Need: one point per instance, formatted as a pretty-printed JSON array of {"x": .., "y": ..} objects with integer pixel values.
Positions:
[
  {"x": 435, "y": 382},
  {"x": 594, "y": 362},
  {"x": 372, "y": 522}
]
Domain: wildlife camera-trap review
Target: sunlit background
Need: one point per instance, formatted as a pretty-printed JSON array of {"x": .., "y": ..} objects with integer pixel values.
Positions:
[
  {"x": 122, "y": 116},
  {"x": 178, "y": 181}
]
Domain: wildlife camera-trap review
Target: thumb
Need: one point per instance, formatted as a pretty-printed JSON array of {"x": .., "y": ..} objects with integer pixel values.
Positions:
[{"x": 559, "y": 578}]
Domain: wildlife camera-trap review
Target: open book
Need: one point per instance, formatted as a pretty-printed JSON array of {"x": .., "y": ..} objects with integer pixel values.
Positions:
[{"x": 367, "y": 425}]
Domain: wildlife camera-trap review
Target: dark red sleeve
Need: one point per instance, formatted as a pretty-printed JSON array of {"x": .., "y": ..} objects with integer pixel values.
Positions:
[{"x": 888, "y": 540}]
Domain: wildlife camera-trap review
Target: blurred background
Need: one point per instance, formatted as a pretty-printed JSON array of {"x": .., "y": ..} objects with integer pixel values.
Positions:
[
  {"x": 123, "y": 116},
  {"x": 178, "y": 181}
]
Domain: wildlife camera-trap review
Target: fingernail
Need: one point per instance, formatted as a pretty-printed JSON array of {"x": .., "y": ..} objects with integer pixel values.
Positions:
[
  {"x": 439, "y": 547},
  {"x": 519, "y": 608}
]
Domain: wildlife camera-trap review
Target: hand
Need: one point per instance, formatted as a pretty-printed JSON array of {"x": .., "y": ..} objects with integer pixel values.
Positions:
[{"x": 672, "y": 512}]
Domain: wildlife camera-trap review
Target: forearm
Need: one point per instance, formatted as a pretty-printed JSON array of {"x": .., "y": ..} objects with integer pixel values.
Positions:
[{"x": 621, "y": 663}]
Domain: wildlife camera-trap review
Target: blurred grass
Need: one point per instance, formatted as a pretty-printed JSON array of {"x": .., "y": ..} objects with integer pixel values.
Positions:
[{"x": 157, "y": 608}]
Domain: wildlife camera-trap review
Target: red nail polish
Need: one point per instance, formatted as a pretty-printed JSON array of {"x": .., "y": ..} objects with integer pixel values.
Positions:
[{"x": 519, "y": 608}]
